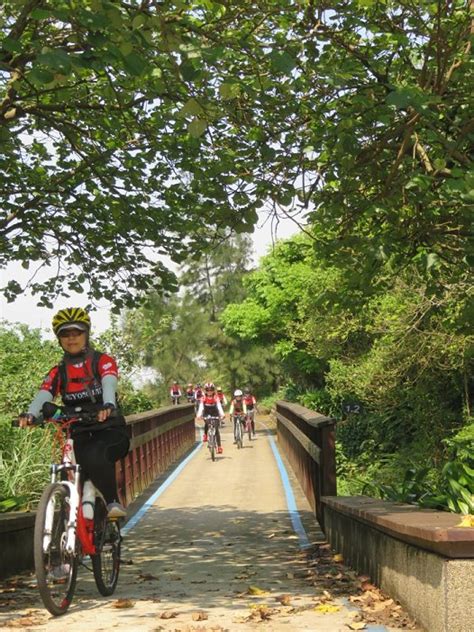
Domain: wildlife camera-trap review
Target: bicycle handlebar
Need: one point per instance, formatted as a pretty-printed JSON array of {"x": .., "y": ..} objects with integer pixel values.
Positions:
[{"x": 55, "y": 414}]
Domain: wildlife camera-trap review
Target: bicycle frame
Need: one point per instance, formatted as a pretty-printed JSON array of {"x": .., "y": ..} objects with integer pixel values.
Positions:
[
  {"x": 77, "y": 525},
  {"x": 211, "y": 428},
  {"x": 239, "y": 419}
]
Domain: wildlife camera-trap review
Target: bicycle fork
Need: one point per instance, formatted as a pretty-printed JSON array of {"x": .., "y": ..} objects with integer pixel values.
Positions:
[{"x": 77, "y": 525}]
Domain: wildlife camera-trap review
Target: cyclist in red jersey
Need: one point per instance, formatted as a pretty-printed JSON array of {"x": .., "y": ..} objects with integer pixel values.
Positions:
[
  {"x": 251, "y": 404},
  {"x": 210, "y": 405},
  {"x": 238, "y": 407},
  {"x": 175, "y": 393},
  {"x": 87, "y": 380},
  {"x": 198, "y": 392},
  {"x": 190, "y": 394},
  {"x": 221, "y": 396}
]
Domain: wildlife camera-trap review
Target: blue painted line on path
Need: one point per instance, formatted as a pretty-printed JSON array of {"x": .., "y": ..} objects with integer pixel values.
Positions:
[
  {"x": 290, "y": 498},
  {"x": 150, "y": 502}
]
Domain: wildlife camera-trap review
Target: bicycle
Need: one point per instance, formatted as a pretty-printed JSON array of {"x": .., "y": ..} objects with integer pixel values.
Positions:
[
  {"x": 238, "y": 430},
  {"x": 62, "y": 534},
  {"x": 211, "y": 435},
  {"x": 248, "y": 423}
]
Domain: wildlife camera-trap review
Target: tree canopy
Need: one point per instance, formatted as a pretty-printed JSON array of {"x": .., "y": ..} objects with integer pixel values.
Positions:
[{"x": 128, "y": 126}]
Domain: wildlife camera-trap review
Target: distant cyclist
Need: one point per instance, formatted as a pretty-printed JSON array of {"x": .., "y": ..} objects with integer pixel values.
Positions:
[
  {"x": 175, "y": 393},
  {"x": 238, "y": 409},
  {"x": 221, "y": 396},
  {"x": 86, "y": 380},
  {"x": 251, "y": 404},
  {"x": 190, "y": 394},
  {"x": 198, "y": 395},
  {"x": 210, "y": 405}
]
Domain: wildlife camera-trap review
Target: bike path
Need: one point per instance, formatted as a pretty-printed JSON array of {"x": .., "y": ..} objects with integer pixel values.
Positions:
[{"x": 215, "y": 548}]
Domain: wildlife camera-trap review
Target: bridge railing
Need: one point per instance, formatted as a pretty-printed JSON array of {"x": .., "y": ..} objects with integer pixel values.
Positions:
[
  {"x": 308, "y": 441},
  {"x": 158, "y": 439}
]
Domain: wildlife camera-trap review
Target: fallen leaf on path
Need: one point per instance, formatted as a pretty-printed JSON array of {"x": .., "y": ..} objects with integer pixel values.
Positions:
[
  {"x": 285, "y": 600},
  {"x": 23, "y": 622},
  {"x": 168, "y": 614},
  {"x": 363, "y": 578},
  {"x": 123, "y": 603},
  {"x": 261, "y": 613},
  {"x": 272, "y": 535},
  {"x": 327, "y": 608},
  {"x": 337, "y": 558},
  {"x": 326, "y": 596},
  {"x": 255, "y": 590},
  {"x": 357, "y": 625},
  {"x": 290, "y": 576},
  {"x": 199, "y": 616}
]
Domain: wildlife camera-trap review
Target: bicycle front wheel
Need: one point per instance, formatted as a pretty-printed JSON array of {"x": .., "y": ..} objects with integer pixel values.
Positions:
[
  {"x": 107, "y": 540},
  {"x": 56, "y": 569}
]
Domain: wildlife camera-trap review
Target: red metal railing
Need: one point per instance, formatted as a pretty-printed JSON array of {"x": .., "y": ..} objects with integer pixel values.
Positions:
[
  {"x": 308, "y": 441},
  {"x": 158, "y": 438}
]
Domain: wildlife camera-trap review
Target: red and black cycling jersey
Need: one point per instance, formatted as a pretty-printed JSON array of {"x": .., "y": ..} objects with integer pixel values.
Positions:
[
  {"x": 83, "y": 379},
  {"x": 250, "y": 401},
  {"x": 210, "y": 406},
  {"x": 238, "y": 406}
]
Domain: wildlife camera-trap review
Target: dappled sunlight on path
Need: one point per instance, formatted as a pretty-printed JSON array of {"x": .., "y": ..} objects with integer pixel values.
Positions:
[{"x": 216, "y": 551}]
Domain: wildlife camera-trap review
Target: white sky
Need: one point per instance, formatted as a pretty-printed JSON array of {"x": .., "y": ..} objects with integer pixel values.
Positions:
[{"x": 25, "y": 310}]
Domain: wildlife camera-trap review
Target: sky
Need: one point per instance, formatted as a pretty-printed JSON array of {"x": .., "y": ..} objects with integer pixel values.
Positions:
[{"x": 25, "y": 310}]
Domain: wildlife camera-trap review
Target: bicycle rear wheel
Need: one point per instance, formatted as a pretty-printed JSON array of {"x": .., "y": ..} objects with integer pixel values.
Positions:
[
  {"x": 107, "y": 540},
  {"x": 56, "y": 570}
]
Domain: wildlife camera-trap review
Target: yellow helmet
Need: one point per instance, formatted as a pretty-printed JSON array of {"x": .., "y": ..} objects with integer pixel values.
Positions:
[{"x": 71, "y": 316}]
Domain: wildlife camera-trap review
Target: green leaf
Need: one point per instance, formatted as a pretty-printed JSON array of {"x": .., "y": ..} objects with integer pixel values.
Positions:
[
  {"x": 401, "y": 98},
  {"x": 282, "y": 62},
  {"x": 229, "y": 91},
  {"x": 191, "y": 107},
  {"x": 431, "y": 260},
  {"x": 11, "y": 45},
  {"x": 40, "y": 14},
  {"x": 135, "y": 64},
  {"x": 40, "y": 75},
  {"x": 189, "y": 71},
  {"x": 197, "y": 127}
]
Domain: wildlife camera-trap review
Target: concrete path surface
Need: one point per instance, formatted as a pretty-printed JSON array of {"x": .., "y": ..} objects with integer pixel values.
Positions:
[{"x": 215, "y": 549}]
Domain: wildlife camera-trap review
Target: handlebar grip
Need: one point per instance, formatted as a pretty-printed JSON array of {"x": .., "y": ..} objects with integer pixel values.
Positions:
[{"x": 36, "y": 422}]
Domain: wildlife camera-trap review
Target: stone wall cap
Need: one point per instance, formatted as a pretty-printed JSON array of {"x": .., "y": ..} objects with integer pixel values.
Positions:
[
  {"x": 437, "y": 531},
  {"x": 16, "y": 520}
]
